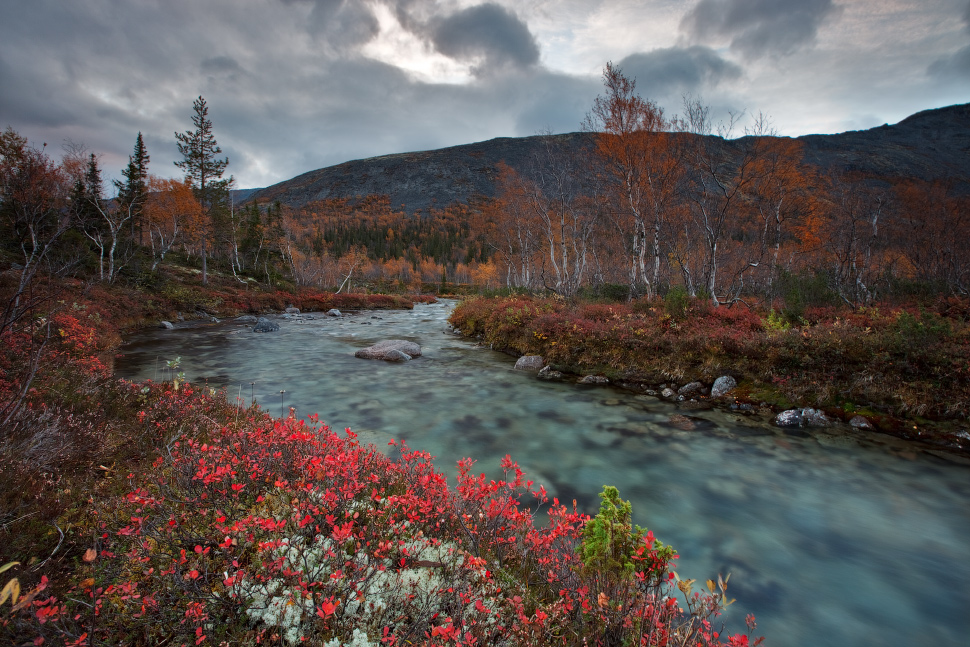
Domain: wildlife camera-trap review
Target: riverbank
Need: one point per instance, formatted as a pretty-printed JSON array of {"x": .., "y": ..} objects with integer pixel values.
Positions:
[
  {"x": 905, "y": 371},
  {"x": 159, "y": 512}
]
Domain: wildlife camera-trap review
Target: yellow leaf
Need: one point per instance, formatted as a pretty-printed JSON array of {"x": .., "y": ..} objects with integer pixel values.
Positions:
[
  {"x": 711, "y": 585},
  {"x": 8, "y": 566},
  {"x": 11, "y": 590},
  {"x": 685, "y": 586}
]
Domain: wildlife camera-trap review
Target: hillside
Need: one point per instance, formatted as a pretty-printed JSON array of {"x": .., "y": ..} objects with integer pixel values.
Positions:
[{"x": 928, "y": 145}]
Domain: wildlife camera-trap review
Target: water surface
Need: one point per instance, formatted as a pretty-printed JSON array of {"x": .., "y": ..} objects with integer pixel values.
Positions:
[{"x": 829, "y": 540}]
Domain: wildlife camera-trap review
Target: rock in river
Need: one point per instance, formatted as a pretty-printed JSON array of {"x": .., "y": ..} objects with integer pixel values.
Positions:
[
  {"x": 166, "y": 325},
  {"x": 529, "y": 363},
  {"x": 595, "y": 380},
  {"x": 802, "y": 418},
  {"x": 265, "y": 325},
  {"x": 390, "y": 350}
]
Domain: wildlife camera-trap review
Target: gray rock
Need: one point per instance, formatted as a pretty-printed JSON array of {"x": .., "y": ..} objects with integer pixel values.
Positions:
[
  {"x": 333, "y": 312},
  {"x": 790, "y": 418},
  {"x": 597, "y": 380},
  {"x": 547, "y": 373},
  {"x": 383, "y": 350},
  {"x": 395, "y": 355},
  {"x": 723, "y": 385},
  {"x": 529, "y": 363},
  {"x": 167, "y": 325},
  {"x": 265, "y": 325},
  {"x": 861, "y": 422},
  {"x": 668, "y": 392},
  {"x": 246, "y": 319},
  {"x": 650, "y": 392},
  {"x": 692, "y": 388},
  {"x": 802, "y": 418},
  {"x": 815, "y": 418},
  {"x": 292, "y": 311}
]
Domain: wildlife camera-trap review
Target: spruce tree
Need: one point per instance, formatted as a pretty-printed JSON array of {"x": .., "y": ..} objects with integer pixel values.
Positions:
[
  {"x": 204, "y": 169},
  {"x": 134, "y": 189}
]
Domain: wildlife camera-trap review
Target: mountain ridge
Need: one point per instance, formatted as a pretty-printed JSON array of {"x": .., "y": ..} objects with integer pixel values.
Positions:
[{"x": 928, "y": 145}]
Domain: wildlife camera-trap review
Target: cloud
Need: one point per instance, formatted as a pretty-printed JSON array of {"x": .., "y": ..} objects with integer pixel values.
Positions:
[
  {"x": 956, "y": 66},
  {"x": 341, "y": 23},
  {"x": 678, "y": 70},
  {"x": 486, "y": 31},
  {"x": 756, "y": 28}
]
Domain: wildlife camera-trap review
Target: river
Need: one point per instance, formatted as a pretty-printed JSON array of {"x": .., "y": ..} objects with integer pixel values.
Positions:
[{"x": 830, "y": 538}]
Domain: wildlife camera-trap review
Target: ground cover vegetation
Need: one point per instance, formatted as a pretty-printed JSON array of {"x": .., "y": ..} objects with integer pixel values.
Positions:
[
  {"x": 906, "y": 369},
  {"x": 162, "y": 513}
]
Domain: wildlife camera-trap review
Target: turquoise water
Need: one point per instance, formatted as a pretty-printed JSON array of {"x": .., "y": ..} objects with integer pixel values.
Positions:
[{"x": 830, "y": 539}]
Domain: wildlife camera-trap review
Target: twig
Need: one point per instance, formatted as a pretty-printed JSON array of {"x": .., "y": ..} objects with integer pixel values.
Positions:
[
  {"x": 10, "y": 523},
  {"x": 56, "y": 548}
]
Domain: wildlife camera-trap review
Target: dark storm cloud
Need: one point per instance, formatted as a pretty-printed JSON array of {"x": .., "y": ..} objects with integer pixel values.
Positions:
[
  {"x": 756, "y": 28},
  {"x": 957, "y": 65},
  {"x": 342, "y": 23},
  {"x": 674, "y": 71},
  {"x": 487, "y": 30}
]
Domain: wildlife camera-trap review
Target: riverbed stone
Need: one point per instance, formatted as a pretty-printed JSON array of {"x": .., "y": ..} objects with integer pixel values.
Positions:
[
  {"x": 595, "y": 380},
  {"x": 265, "y": 325},
  {"x": 668, "y": 393},
  {"x": 383, "y": 350},
  {"x": 167, "y": 325},
  {"x": 333, "y": 312},
  {"x": 529, "y": 363},
  {"x": 292, "y": 310},
  {"x": 245, "y": 319},
  {"x": 802, "y": 418},
  {"x": 723, "y": 385},
  {"x": 861, "y": 422},
  {"x": 691, "y": 388},
  {"x": 548, "y": 373},
  {"x": 395, "y": 355}
]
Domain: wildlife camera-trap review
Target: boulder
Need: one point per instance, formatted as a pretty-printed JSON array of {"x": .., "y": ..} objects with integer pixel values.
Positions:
[
  {"x": 167, "y": 325},
  {"x": 723, "y": 385},
  {"x": 802, "y": 418},
  {"x": 692, "y": 388},
  {"x": 597, "y": 380},
  {"x": 790, "y": 418},
  {"x": 815, "y": 418},
  {"x": 246, "y": 319},
  {"x": 265, "y": 325},
  {"x": 333, "y": 312},
  {"x": 383, "y": 350},
  {"x": 529, "y": 363},
  {"x": 547, "y": 373},
  {"x": 668, "y": 392},
  {"x": 292, "y": 311},
  {"x": 861, "y": 422}
]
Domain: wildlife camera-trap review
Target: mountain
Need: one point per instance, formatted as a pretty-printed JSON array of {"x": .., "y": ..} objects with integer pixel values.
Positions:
[{"x": 932, "y": 144}]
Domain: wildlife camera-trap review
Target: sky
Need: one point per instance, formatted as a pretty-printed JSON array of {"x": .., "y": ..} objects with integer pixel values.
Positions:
[{"x": 296, "y": 85}]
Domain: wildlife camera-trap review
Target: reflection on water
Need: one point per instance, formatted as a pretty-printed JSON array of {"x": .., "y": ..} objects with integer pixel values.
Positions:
[{"x": 830, "y": 541}]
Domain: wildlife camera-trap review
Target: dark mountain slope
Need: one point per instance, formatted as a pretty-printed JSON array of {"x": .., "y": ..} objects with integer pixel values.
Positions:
[{"x": 928, "y": 145}]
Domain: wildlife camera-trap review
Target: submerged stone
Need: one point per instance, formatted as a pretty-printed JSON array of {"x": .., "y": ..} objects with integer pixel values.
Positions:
[
  {"x": 265, "y": 325},
  {"x": 390, "y": 350}
]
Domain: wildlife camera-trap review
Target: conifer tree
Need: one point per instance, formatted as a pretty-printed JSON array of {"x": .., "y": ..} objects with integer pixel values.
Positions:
[
  {"x": 133, "y": 191},
  {"x": 204, "y": 169}
]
